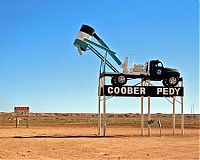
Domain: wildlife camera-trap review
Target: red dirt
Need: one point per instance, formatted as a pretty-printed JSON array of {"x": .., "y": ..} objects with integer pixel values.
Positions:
[{"x": 83, "y": 143}]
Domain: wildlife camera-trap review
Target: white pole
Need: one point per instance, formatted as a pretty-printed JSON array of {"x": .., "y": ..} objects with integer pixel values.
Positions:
[
  {"x": 142, "y": 113},
  {"x": 182, "y": 114},
  {"x": 99, "y": 106},
  {"x": 174, "y": 101},
  {"x": 149, "y": 112},
  {"x": 104, "y": 109}
]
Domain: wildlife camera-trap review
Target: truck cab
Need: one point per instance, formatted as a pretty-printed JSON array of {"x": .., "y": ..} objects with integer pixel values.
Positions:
[{"x": 157, "y": 72}]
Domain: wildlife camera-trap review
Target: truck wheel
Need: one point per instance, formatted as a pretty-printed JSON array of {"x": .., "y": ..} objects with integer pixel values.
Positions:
[
  {"x": 113, "y": 81},
  {"x": 120, "y": 79},
  {"x": 164, "y": 82},
  {"x": 172, "y": 81}
]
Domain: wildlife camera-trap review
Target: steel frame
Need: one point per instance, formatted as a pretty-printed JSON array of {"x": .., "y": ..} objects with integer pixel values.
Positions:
[{"x": 102, "y": 118}]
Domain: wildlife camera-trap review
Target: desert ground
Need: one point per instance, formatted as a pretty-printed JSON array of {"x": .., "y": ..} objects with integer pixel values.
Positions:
[{"x": 74, "y": 136}]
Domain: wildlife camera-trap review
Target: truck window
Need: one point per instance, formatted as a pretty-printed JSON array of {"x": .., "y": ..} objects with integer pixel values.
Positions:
[{"x": 159, "y": 64}]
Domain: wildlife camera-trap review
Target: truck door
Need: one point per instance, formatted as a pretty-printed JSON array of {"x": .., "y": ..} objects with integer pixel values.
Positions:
[{"x": 158, "y": 71}]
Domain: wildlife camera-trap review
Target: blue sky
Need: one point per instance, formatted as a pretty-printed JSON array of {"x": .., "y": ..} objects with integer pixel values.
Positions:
[{"x": 40, "y": 67}]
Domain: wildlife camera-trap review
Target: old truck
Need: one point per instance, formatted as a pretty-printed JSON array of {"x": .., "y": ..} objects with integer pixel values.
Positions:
[{"x": 152, "y": 70}]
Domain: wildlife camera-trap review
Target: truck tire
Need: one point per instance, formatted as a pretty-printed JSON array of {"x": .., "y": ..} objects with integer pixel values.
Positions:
[
  {"x": 172, "y": 81},
  {"x": 120, "y": 79},
  {"x": 164, "y": 82},
  {"x": 113, "y": 82}
]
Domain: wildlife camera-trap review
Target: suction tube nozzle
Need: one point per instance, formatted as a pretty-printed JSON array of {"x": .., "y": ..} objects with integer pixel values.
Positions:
[{"x": 86, "y": 32}]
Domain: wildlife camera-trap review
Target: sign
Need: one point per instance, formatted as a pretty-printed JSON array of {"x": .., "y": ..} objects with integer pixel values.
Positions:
[
  {"x": 138, "y": 91},
  {"x": 21, "y": 111}
]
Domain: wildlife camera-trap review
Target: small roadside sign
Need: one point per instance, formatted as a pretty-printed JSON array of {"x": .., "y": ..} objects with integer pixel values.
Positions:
[{"x": 21, "y": 111}]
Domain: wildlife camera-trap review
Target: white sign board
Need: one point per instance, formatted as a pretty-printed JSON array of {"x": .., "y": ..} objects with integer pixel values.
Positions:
[{"x": 21, "y": 111}]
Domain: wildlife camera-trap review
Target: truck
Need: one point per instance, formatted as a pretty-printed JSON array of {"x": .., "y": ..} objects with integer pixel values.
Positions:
[{"x": 152, "y": 70}]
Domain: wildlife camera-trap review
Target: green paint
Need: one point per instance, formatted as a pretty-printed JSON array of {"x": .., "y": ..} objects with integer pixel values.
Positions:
[
  {"x": 112, "y": 54},
  {"x": 80, "y": 44}
]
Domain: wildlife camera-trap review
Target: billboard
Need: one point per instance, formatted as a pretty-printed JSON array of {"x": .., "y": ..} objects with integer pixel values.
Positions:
[
  {"x": 138, "y": 91},
  {"x": 21, "y": 111}
]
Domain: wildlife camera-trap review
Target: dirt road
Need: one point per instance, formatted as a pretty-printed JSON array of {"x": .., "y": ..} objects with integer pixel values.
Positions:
[{"x": 83, "y": 143}]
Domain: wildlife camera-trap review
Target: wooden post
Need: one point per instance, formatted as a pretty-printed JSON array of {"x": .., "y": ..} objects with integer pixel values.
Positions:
[
  {"x": 104, "y": 109},
  {"x": 27, "y": 125},
  {"x": 142, "y": 113},
  {"x": 182, "y": 114},
  {"x": 16, "y": 124},
  {"x": 174, "y": 125},
  {"x": 149, "y": 113},
  {"x": 99, "y": 106}
]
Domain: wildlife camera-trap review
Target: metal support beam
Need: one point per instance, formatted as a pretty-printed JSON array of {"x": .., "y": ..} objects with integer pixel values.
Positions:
[
  {"x": 102, "y": 58},
  {"x": 103, "y": 46},
  {"x": 149, "y": 109},
  {"x": 104, "y": 109},
  {"x": 149, "y": 112},
  {"x": 174, "y": 104},
  {"x": 99, "y": 106},
  {"x": 182, "y": 114},
  {"x": 142, "y": 113}
]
